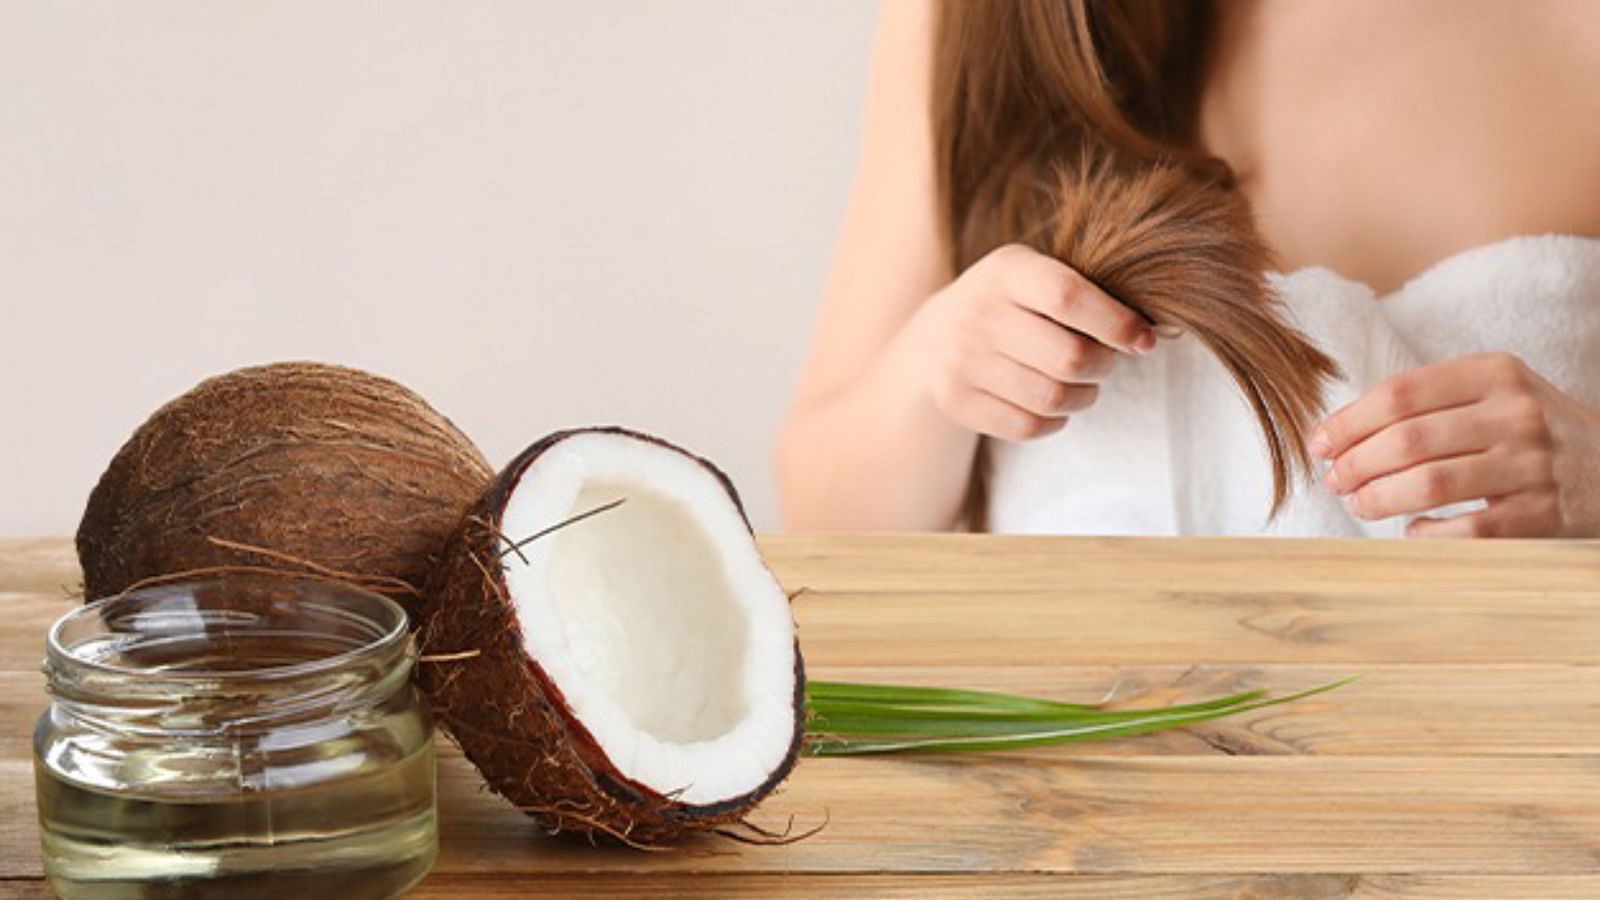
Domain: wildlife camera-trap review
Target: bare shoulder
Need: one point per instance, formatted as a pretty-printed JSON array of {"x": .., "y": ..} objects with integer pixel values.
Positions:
[
  {"x": 1547, "y": 114},
  {"x": 1376, "y": 136},
  {"x": 1569, "y": 91}
]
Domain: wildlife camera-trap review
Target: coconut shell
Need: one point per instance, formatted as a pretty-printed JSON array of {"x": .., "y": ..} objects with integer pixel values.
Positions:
[
  {"x": 510, "y": 718},
  {"x": 294, "y": 466}
]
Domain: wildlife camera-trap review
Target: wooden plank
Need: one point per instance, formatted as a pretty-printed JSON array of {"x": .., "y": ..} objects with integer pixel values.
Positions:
[
  {"x": 27, "y": 618},
  {"x": 1018, "y": 887},
  {"x": 1466, "y": 761},
  {"x": 45, "y": 565},
  {"x": 19, "y": 820},
  {"x": 1389, "y": 710},
  {"x": 873, "y": 562},
  {"x": 1001, "y": 887},
  {"x": 1101, "y": 616},
  {"x": 968, "y": 562},
  {"x": 1127, "y": 626},
  {"x": 1052, "y": 812},
  {"x": 22, "y": 699},
  {"x": 1071, "y": 814}
]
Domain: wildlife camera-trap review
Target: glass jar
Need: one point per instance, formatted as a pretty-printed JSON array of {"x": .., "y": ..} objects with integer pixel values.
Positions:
[{"x": 247, "y": 736}]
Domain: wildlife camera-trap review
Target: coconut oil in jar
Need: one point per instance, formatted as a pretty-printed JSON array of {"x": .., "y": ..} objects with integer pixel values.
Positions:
[{"x": 250, "y": 736}]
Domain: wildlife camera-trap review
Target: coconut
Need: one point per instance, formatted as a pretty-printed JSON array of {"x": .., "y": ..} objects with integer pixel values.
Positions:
[
  {"x": 608, "y": 647},
  {"x": 296, "y": 466}
]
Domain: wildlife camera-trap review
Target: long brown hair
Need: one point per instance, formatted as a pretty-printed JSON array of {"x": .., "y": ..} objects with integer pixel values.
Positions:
[{"x": 1070, "y": 126}]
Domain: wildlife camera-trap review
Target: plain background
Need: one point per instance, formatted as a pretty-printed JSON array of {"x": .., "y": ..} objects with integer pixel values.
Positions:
[{"x": 536, "y": 214}]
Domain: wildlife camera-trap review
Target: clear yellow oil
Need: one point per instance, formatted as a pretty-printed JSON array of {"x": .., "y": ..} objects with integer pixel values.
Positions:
[
  {"x": 365, "y": 835},
  {"x": 351, "y": 816}
]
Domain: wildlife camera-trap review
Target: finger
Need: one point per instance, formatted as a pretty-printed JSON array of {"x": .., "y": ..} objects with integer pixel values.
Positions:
[
  {"x": 1053, "y": 290},
  {"x": 1441, "y": 482},
  {"x": 1043, "y": 345},
  {"x": 1526, "y": 515},
  {"x": 990, "y": 415},
  {"x": 1451, "y": 432},
  {"x": 1030, "y": 389},
  {"x": 1428, "y": 389}
]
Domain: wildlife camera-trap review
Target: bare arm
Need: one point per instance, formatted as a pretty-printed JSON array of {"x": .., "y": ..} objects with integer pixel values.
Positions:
[
  {"x": 854, "y": 452},
  {"x": 909, "y": 368}
]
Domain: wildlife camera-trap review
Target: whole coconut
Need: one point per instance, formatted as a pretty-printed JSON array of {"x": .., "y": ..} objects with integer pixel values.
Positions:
[{"x": 295, "y": 466}]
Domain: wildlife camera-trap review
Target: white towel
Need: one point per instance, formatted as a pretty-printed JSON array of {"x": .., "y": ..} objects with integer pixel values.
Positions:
[{"x": 1172, "y": 448}]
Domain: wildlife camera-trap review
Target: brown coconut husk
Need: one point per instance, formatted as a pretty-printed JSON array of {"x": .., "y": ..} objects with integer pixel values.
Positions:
[
  {"x": 299, "y": 467},
  {"x": 511, "y": 720}
]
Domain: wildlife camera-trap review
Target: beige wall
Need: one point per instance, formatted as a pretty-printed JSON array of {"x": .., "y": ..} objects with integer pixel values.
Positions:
[{"x": 537, "y": 214}]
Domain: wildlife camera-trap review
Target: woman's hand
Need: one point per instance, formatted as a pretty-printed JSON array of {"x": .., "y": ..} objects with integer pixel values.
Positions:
[
  {"x": 1018, "y": 343},
  {"x": 1480, "y": 427}
]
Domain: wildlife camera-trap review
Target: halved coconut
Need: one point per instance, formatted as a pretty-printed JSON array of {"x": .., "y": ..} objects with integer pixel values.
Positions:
[{"x": 636, "y": 672}]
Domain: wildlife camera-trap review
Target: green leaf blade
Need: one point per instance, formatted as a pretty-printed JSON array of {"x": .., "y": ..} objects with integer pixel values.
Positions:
[{"x": 867, "y": 728}]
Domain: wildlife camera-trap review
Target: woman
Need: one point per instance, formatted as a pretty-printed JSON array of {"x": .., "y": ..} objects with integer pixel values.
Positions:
[{"x": 1406, "y": 147}]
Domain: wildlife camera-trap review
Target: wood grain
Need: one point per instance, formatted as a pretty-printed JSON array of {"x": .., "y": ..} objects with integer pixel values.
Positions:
[
  {"x": 1060, "y": 812},
  {"x": 1057, "y": 811},
  {"x": 1396, "y": 710},
  {"x": 1389, "y": 710},
  {"x": 985, "y": 563},
  {"x": 19, "y": 835},
  {"x": 1021, "y": 887},
  {"x": 26, "y": 618},
  {"x": 47, "y": 567},
  {"x": 1095, "y": 624},
  {"x": 1464, "y": 762}
]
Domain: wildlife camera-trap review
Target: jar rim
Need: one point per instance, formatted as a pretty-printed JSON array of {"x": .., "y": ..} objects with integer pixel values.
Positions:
[{"x": 390, "y": 627}]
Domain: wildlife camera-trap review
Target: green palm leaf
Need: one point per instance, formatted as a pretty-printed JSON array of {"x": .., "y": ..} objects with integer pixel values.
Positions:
[{"x": 852, "y": 719}]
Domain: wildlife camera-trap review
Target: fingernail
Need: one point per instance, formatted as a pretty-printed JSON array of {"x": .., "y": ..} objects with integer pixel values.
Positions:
[
  {"x": 1320, "y": 447},
  {"x": 1353, "y": 506},
  {"x": 1330, "y": 481},
  {"x": 1144, "y": 343}
]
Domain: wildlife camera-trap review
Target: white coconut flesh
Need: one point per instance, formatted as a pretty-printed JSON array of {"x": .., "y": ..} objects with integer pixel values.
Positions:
[{"x": 667, "y": 636}]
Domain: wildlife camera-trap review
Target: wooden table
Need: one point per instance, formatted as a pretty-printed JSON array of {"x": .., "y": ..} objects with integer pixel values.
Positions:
[{"x": 1464, "y": 762}]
